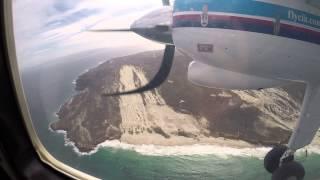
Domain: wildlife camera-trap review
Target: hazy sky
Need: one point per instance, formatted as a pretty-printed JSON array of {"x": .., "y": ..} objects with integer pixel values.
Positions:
[{"x": 48, "y": 29}]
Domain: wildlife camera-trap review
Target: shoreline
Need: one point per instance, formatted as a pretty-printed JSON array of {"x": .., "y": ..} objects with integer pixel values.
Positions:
[
  {"x": 219, "y": 150},
  {"x": 232, "y": 148}
]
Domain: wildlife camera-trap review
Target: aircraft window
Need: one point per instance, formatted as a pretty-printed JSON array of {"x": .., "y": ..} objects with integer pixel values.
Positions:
[{"x": 184, "y": 89}]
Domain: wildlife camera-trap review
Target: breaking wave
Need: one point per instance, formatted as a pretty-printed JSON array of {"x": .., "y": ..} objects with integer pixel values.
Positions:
[{"x": 199, "y": 149}]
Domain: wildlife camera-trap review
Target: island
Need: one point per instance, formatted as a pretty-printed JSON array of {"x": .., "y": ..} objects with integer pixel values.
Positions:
[{"x": 176, "y": 113}]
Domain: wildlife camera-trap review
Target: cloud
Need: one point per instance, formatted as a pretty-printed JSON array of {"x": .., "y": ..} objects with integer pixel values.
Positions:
[{"x": 48, "y": 29}]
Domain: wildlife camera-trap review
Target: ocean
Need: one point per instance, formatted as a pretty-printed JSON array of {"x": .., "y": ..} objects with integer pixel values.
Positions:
[{"x": 49, "y": 85}]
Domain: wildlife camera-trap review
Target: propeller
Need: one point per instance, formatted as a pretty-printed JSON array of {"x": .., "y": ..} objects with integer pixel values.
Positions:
[{"x": 159, "y": 78}]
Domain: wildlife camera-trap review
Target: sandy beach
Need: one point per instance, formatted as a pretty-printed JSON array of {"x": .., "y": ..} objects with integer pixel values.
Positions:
[{"x": 155, "y": 139}]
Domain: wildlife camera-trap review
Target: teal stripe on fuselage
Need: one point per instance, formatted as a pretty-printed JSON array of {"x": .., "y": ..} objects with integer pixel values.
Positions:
[{"x": 250, "y": 7}]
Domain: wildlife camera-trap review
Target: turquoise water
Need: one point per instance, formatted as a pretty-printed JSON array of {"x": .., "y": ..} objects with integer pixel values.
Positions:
[{"x": 48, "y": 86}]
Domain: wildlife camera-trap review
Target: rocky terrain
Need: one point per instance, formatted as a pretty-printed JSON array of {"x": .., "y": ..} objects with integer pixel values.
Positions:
[{"x": 177, "y": 113}]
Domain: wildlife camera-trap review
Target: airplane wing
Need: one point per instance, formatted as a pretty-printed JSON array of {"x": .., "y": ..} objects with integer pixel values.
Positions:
[{"x": 309, "y": 121}]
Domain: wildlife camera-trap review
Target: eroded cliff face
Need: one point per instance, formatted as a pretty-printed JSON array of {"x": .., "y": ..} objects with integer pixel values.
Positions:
[{"x": 176, "y": 112}]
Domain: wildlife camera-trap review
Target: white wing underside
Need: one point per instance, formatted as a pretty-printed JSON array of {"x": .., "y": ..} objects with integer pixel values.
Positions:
[{"x": 309, "y": 120}]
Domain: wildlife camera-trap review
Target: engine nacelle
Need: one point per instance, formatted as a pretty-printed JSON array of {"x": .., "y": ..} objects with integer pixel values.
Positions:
[{"x": 212, "y": 77}]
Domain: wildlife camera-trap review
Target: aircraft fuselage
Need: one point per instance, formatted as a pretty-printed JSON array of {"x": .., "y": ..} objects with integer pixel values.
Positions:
[{"x": 260, "y": 38}]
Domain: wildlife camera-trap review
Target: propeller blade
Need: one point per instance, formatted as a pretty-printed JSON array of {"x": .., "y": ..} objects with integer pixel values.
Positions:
[
  {"x": 110, "y": 30},
  {"x": 159, "y": 78},
  {"x": 166, "y": 2}
]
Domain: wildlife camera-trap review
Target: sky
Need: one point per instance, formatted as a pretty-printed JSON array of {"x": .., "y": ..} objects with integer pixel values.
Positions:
[{"x": 48, "y": 29}]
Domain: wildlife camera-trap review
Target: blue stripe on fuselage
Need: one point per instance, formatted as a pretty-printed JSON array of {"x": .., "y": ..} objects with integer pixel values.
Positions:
[{"x": 250, "y": 7}]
